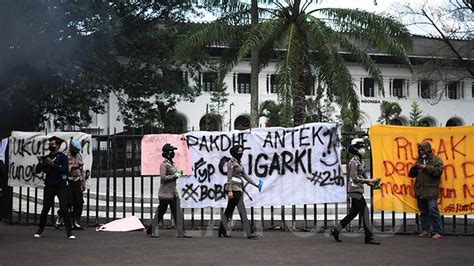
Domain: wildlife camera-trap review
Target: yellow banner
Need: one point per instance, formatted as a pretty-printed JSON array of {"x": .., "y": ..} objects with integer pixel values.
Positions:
[{"x": 394, "y": 151}]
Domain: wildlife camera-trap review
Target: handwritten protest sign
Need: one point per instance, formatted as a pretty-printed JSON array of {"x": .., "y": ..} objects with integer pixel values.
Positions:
[
  {"x": 151, "y": 153},
  {"x": 394, "y": 151},
  {"x": 3, "y": 147},
  {"x": 298, "y": 165},
  {"x": 24, "y": 147}
]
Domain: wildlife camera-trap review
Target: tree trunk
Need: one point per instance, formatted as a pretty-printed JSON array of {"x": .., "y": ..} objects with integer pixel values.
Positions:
[
  {"x": 299, "y": 102},
  {"x": 254, "y": 73}
]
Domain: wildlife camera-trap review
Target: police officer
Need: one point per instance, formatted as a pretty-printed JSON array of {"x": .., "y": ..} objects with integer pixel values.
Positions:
[
  {"x": 234, "y": 189},
  {"x": 168, "y": 195},
  {"x": 355, "y": 191}
]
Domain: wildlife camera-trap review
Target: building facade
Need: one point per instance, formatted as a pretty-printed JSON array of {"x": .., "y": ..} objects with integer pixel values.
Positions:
[{"x": 442, "y": 88}]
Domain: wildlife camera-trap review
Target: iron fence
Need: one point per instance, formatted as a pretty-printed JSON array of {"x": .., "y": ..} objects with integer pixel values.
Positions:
[{"x": 117, "y": 189}]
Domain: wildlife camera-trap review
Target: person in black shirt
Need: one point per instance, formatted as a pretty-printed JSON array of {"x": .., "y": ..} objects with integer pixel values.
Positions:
[{"x": 56, "y": 167}]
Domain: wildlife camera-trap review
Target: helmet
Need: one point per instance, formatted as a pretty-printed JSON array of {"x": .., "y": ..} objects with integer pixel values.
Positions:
[{"x": 357, "y": 142}]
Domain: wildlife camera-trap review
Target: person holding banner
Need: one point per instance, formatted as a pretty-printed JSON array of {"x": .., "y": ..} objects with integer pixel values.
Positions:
[
  {"x": 234, "y": 189},
  {"x": 56, "y": 167},
  {"x": 168, "y": 194},
  {"x": 427, "y": 170},
  {"x": 355, "y": 190}
]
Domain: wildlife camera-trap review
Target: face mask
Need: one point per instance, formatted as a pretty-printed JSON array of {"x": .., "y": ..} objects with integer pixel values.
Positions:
[
  {"x": 424, "y": 156},
  {"x": 361, "y": 151},
  {"x": 169, "y": 155},
  {"x": 236, "y": 152},
  {"x": 238, "y": 156},
  {"x": 52, "y": 148}
]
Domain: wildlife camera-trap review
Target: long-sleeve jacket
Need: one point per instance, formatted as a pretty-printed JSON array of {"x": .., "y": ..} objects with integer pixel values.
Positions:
[
  {"x": 235, "y": 173},
  {"x": 427, "y": 180},
  {"x": 357, "y": 177},
  {"x": 168, "y": 180},
  {"x": 56, "y": 174}
]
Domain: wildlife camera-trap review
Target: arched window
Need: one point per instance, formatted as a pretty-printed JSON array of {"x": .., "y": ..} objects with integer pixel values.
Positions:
[
  {"x": 454, "y": 122},
  {"x": 399, "y": 121},
  {"x": 242, "y": 122},
  {"x": 176, "y": 124},
  {"x": 210, "y": 122},
  {"x": 427, "y": 122},
  {"x": 396, "y": 122}
]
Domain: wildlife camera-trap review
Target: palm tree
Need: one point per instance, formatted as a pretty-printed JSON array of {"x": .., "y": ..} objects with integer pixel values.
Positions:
[
  {"x": 388, "y": 112},
  {"x": 306, "y": 44}
]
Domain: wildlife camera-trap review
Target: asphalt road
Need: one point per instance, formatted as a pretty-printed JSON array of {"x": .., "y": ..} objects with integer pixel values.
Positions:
[{"x": 18, "y": 247}]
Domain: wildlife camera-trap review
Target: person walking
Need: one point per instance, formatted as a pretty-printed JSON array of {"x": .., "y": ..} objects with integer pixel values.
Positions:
[
  {"x": 168, "y": 195},
  {"x": 355, "y": 190},
  {"x": 234, "y": 188}
]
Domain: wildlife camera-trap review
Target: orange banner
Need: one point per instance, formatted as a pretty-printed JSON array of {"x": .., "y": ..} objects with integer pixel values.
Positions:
[{"x": 394, "y": 151}]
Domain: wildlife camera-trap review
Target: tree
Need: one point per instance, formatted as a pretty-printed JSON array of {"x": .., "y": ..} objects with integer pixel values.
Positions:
[
  {"x": 219, "y": 99},
  {"x": 450, "y": 26},
  {"x": 415, "y": 115},
  {"x": 272, "y": 111},
  {"x": 317, "y": 109},
  {"x": 348, "y": 124},
  {"x": 307, "y": 46},
  {"x": 388, "y": 112},
  {"x": 63, "y": 59}
]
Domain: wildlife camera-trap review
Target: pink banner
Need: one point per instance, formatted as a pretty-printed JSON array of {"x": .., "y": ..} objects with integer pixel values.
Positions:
[{"x": 151, "y": 153}]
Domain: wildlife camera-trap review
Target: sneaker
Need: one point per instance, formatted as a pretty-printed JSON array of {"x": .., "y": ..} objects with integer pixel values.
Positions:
[
  {"x": 436, "y": 236},
  {"x": 58, "y": 222},
  {"x": 424, "y": 234},
  {"x": 38, "y": 233},
  {"x": 372, "y": 241},
  {"x": 71, "y": 237},
  {"x": 77, "y": 226},
  {"x": 335, "y": 234}
]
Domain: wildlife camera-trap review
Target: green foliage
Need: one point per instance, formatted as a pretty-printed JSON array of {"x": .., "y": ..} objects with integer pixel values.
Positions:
[
  {"x": 219, "y": 98},
  {"x": 272, "y": 111},
  {"x": 415, "y": 115},
  {"x": 317, "y": 109},
  {"x": 346, "y": 118},
  {"x": 62, "y": 59},
  {"x": 388, "y": 112},
  {"x": 293, "y": 34}
]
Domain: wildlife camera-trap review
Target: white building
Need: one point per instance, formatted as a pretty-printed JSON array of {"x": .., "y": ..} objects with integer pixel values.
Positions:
[{"x": 455, "y": 106}]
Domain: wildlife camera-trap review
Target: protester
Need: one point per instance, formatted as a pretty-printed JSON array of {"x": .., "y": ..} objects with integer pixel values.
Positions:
[
  {"x": 427, "y": 170},
  {"x": 355, "y": 190},
  {"x": 168, "y": 195},
  {"x": 55, "y": 166},
  {"x": 77, "y": 183},
  {"x": 234, "y": 189}
]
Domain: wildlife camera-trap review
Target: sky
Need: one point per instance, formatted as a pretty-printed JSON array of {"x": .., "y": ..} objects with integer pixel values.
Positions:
[{"x": 392, "y": 7}]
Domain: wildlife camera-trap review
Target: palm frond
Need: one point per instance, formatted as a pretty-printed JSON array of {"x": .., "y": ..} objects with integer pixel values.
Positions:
[
  {"x": 331, "y": 69},
  {"x": 382, "y": 31},
  {"x": 264, "y": 34}
]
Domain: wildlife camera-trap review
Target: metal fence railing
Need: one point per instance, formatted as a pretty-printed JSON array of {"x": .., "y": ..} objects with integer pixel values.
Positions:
[{"x": 117, "y": 189}]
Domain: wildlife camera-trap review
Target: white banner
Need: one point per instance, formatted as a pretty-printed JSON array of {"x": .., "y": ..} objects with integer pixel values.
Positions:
[
  {"x": 26, "y": 146},
  {"x": 300, "y": 165}
]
